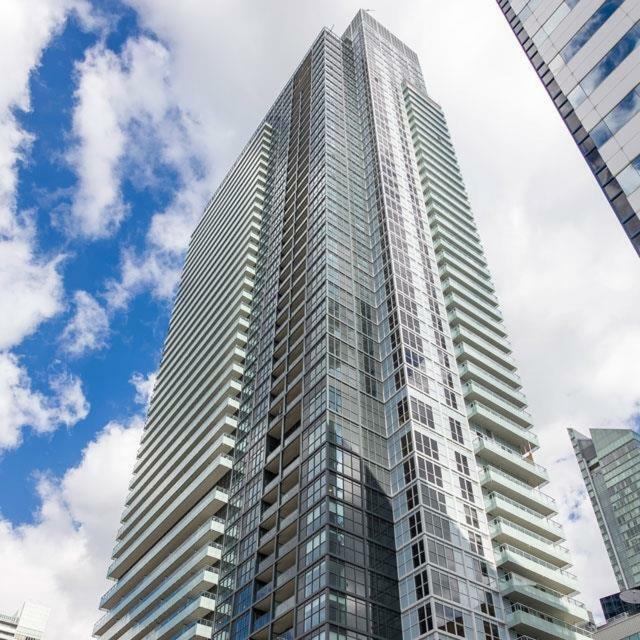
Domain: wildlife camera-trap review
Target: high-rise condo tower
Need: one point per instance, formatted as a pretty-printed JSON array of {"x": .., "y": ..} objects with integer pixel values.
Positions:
[{"x": 336, "y": 332}]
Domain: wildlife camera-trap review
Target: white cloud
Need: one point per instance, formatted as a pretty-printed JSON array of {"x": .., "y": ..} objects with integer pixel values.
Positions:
[
  {"x": 61, "y": 558},
  {"x": 30, "y": 287},
  {"x": 144, "y": 386},
  {"x": 88, "y": 330},
  {"x": 125, "y": 123},
  {"x": 21, "y": 406}
]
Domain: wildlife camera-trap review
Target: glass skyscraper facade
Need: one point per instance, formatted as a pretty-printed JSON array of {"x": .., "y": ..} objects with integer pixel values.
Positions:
[
  {"x": 609, "y": 460},
  {"x": 586, "y": 53},
  {"x": 337, "y": 409}
]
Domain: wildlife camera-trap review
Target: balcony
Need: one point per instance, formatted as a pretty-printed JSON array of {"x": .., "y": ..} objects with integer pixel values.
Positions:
[
  {"x": 170, "y": 509},
  {"x": 513, "y": 560},
  {"x": 505, "y": 531},
  {"x": 471, "y": 255},
  {"x": 148, "y": 590},
  {"x": 461, "y": 298},
  {"x": 499, "y": 355},
  {"x": 141, "y": 620},
  {"x": 481, "y": 280},
  {"x": 466, "y": 353},
  {"x": 548, "y": 601},
  {"x": 528, "y": 621},
  {"x": 505, "y": 424},
  {"x": 510, "y": 393},
  {"x": 120, "y": 591},
  {"x": 198, "y": 629},
  {"x": 450, "y": 273},
  {"x": 143, "y": 502},
  {"x": 189, "y": 523},
  {"x": 489, "y": 330},
  {"x": 500, "y": 456},
  {"x": 499, "y": 505},
  {"x": 493, "y": 479}
]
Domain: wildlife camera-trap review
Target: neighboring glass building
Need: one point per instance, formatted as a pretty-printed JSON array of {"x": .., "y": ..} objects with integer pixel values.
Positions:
[
  {"x": 586, "y": 53},
  {"x": 609, "y": 461},
  {"x": 336, "y": 326}
]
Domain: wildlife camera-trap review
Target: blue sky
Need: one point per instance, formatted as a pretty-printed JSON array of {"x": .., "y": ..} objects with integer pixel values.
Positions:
[
  {"x": 118, "y": 119},
  {"x": 45, "y": 183}
]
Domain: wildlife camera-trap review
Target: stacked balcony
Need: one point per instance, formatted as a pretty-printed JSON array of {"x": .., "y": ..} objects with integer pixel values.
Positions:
[
  {"x": 527, "y": 621},
  {"x": 527, "y": 540}
]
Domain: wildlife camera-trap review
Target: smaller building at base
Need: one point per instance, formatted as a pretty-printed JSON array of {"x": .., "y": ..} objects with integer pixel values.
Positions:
[
  {"x": 622, "y": 627},
  {"x": 29, "y": 623}
]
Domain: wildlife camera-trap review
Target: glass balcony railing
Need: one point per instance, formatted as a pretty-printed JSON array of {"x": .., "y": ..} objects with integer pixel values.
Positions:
[
  {"x": 542, "y": 563},
  {"x": 166, "y": 540},
  {"x": 512, "y": 455},
  {"x": 514, "y": 581},
  {"x": 489, "y": 471},
  {"x": 553, "y": 626},
  {"x": 556, "y": 527},
  {"x": 189, "y": 542}
]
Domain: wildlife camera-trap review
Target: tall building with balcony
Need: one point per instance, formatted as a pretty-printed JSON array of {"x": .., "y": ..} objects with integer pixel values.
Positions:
[
  {"x": 336, "y": 326},
  {"x": 28, "y": 623},
  {"x": 586, "y": 54},
  {"x": 609, "y": 460}
]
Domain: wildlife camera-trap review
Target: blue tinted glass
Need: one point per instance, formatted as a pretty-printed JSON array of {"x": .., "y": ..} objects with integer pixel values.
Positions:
[
  {"x": 612, "y": 60},
  {"x": 600, "y": 134},
  {"x": 616, "y": 118},
  {"x": 591, "y": 26},
  {"x": 629, "y": 178},
  {"x": 626, "y": 109}
]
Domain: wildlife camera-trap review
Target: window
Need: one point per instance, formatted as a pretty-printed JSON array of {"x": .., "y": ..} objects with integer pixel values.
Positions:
[
  {"x": 490, "y": 630},
  {"x": 406, "y": 444},
  {"x": 422, "y": 413},
  {"x": 456, "y": 430},
  {"x": 426, "y": 445},
  {"x": 602, "y": 14},
  {"x": 403, "y": 410},
  {"x": 415, "y": 524},
  {"x": 422, "y": 584},
  {"x": 418, "y": 554},
  {"x": 430, "y": 471},
  {"x": 409, "y": 467},
  {"x": 434, "y": 498},
  {"x": 475, "y": 542},
  {"x": 488, "y": 606},
  {"x": 466, "y": 489},
  {"x": 425, "y": 619},
  {"x": 313, "y": 613},
  {"x": 412, "y": 497},
  {"x": 606, "y": 66},
  {"x": 462, "y": 463},
  {"x": 313, "y": 579},
  {"x": 616, "y": 118},
  {"x": 471, "y": 516},
  {"x": 629, "y": 178}
]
